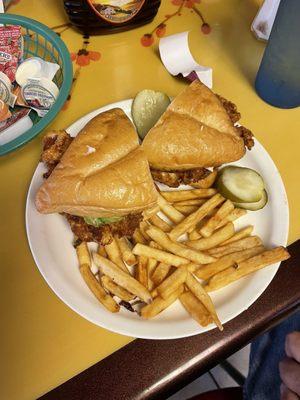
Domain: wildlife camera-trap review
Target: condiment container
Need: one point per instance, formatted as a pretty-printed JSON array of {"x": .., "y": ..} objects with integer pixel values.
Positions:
[
  {"x": 6, "y": 90},
  {"x": 278, "y": 78},
  {"x": 102, "y": 17},
  {"x": 40, "y": 94},
  {"x": 35, "y": 67}
]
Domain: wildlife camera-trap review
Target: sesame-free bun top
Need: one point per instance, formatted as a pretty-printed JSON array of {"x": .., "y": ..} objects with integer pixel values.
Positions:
[
  {"x": 103, "y": 172},
  {"x": 195, "y": 131}
]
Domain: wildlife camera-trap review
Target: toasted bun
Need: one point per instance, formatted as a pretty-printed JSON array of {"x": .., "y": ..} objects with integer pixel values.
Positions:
[
  {"x": 195, "y": 131},
  {"x": 103, "y": 172}
]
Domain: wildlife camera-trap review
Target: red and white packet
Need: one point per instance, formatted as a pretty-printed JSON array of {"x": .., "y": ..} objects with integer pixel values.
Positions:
[{"x": 11, "y": 50}]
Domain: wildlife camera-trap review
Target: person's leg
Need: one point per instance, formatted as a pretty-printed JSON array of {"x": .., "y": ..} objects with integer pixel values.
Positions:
[{"x": 263, "y": 380}]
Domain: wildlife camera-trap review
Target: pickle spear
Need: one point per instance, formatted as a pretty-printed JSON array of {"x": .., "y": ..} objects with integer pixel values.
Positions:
[{"x": 146, "y": 109}]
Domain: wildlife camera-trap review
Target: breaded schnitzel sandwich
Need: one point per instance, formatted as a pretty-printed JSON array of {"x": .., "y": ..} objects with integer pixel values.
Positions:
[
  {"x": 100, "y": 180},
  {"x": 194, "y": 136}
]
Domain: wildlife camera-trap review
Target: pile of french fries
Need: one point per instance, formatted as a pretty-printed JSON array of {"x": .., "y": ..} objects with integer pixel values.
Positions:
[{"x": 186, "y": 250}]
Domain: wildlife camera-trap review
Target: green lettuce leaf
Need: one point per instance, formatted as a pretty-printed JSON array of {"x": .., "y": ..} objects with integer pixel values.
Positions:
[{"x": 101, "y": 221}]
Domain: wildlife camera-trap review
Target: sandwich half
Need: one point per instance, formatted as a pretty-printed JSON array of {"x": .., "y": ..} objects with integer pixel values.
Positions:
[
  {"x": 99, "y": 180},
  {"x": 195, "y": 135}
]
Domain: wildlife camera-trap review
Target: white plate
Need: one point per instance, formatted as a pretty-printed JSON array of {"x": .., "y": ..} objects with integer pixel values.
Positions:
[{"x": 50, "y": 240}]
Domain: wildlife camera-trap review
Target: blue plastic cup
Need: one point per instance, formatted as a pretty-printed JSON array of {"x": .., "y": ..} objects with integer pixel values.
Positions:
[{"x": 278, "y": 78}]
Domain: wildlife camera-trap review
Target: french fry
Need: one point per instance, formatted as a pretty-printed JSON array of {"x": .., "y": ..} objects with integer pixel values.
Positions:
[
  {"x": 186, "y": 210},
  {"x": 138, "y": 237},
  {"x": 207, "y": 182},
  {"x": 221, "y": 279},
  {"x": 160, "y": 273},
  {"x": 159, "y": 255},
  {"x": 147, "y": 214},
  {"x": 152, "y": 263},
  {"x": 194, "y": 235},
  {"x": 101, "y": 251},
  {"x": 218, "y": 237},
  {"x": 122, "y": 278},
  {"x": 126, "y": 251},
  {"x": 193, "y": 219},
  {"x": 159, "y": 304},
  {"x": 85, "y": 270},
  {"x": 170, "y": 211},
  {"x": 141, "y": 273},
  {"x": 242, "y": 233},
  {"x": 193, "y": 202},
  {"x": 177, "y": 248},
  {"x": 105, "y": 299},
  {"x": 180, "y": 195},
  {"x": 154, "y": 245},
  {"x": 191, "y": 267},
  {"x": 151, "y": 266},
  {"x": 115, "y": 289},
  {"x": 114, "y": 254},
  {"x": 164, "y": 257},
  {"x": 160, "y": 223},
  {"x": 238, "y": 245},
  {"x": 154, "y": 293},
  {"x": 196, "y": 288},
  {"x": 172, "y": 283},
  {"x": 143, "y": 228},
  {"x": 218, "y": 217},
  {"x": 195, "y": 308},
  {"x": 83, "y": 254},
  {"x": 208, "y": 270},
  {"x": 262, "y": 260},
  {"x": 246, "y": 267},
  {"x": 234, "y": 215}
]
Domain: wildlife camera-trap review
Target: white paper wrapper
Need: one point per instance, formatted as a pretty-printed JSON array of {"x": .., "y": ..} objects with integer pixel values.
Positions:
[
  {"x": 263, "y": 22},
  {"x": 177, "y": 58}
]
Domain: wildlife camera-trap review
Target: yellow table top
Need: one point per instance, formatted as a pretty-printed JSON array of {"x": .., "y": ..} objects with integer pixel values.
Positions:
[{"x": 43, "y": 342}]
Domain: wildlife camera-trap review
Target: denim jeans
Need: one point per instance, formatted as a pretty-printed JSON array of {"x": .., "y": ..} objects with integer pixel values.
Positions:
[{"x": 263, "y": 380}]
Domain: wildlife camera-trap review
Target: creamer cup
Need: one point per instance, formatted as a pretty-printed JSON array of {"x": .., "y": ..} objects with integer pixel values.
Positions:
[
  {"x": 40, "y": 94},
  {"x": 35, "y": 67}
]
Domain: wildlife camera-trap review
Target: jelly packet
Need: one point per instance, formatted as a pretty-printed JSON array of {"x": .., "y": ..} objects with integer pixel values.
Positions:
[{"x": 11, "y": 50}]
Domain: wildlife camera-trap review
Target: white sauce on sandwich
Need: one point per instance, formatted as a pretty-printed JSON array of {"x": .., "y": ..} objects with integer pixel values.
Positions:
[{"x": 90, "y": 150}]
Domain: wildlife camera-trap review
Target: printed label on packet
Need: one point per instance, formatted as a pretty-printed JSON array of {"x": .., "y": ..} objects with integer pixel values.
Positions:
[
  {"x": 5, "y": 90},
  {"x": 40, "y": 95},
  {"x": 11, "y": 50}
]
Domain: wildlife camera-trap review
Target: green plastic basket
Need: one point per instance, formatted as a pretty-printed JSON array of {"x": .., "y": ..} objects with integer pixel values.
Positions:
[{"x": 40, "y": 41}]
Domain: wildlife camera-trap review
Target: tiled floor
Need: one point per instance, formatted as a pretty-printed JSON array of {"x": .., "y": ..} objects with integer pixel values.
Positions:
[
  {"x": 200, "y": 385},
  {"x": 205, "y": 383},
  {"x": 240, "y": 360}
]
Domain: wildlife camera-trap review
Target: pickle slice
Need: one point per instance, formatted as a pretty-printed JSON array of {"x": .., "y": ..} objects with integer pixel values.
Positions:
[
  {"x": 256, "y": 205},
  {"x": 242, "y": 185},
  {"x": 146, "y": 109}
]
